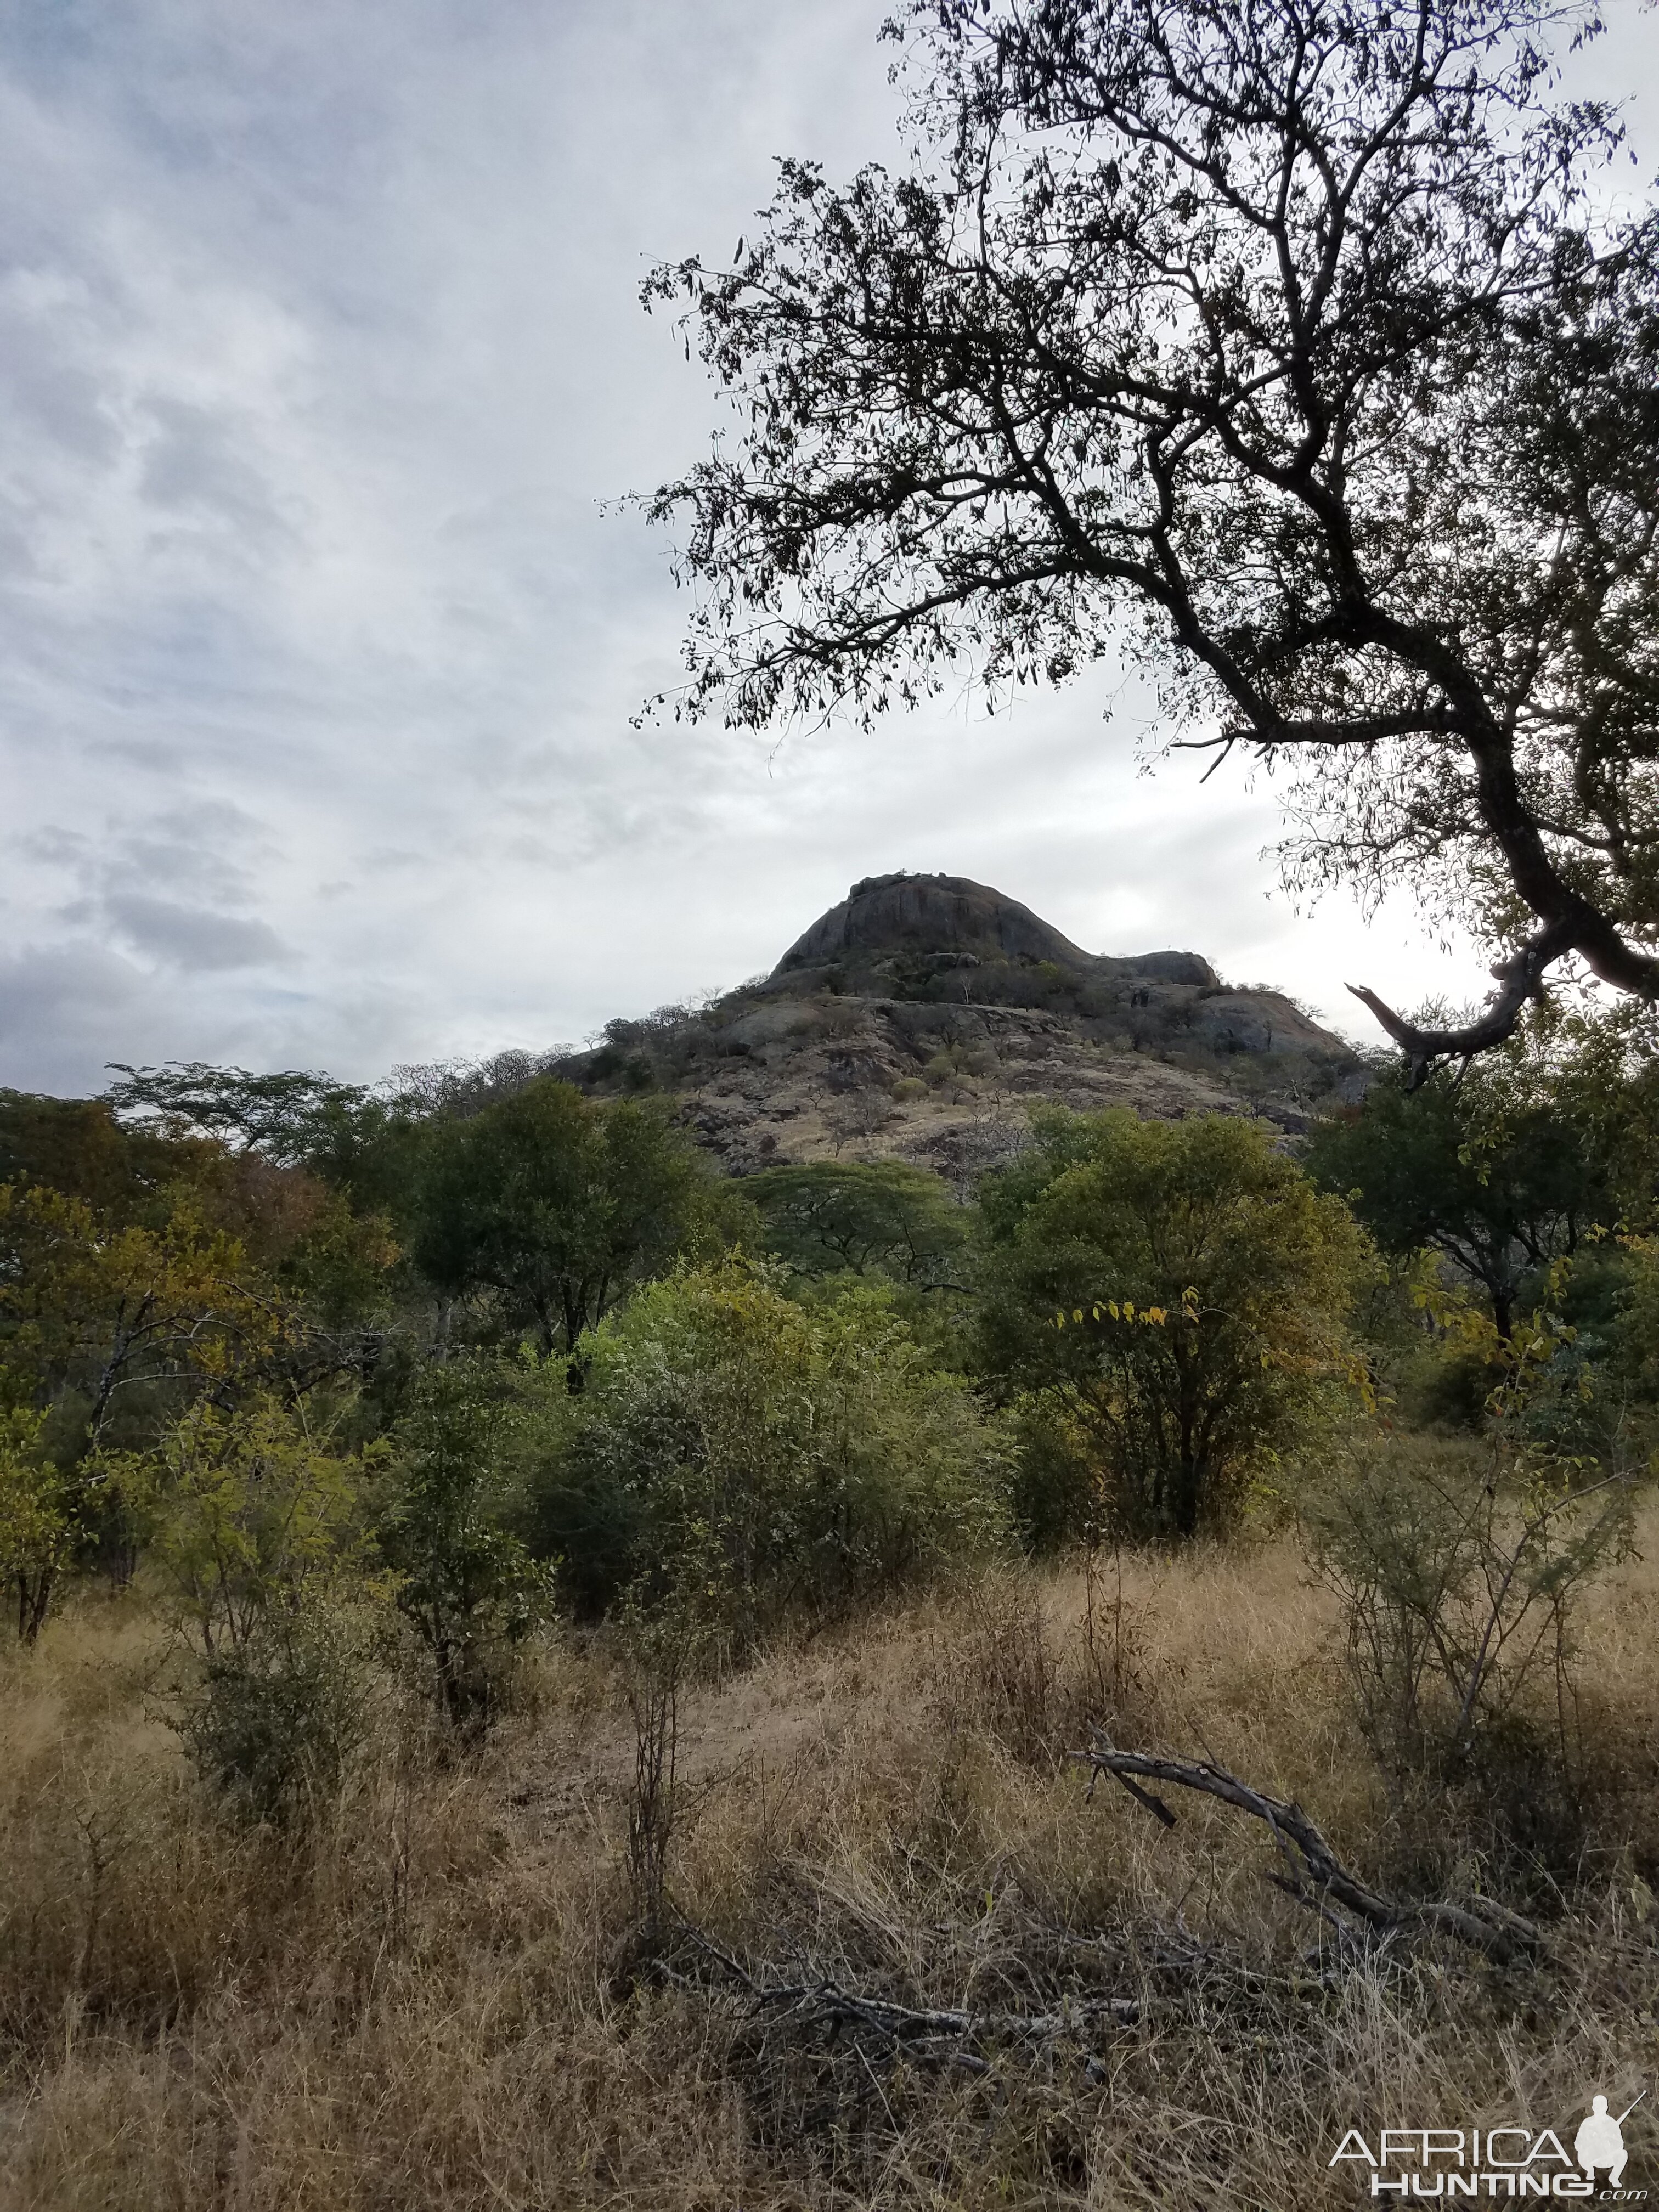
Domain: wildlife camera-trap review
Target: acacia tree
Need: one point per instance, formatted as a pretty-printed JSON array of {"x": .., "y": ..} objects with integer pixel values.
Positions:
[
  {"x": 1499, "y": 1180},
  {"x": 1276, "y": 338},
  {"x": 884, "y": 1215}
]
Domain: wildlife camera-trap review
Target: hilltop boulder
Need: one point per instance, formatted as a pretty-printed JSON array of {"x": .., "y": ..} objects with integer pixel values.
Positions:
[{"x": 951, "y": 920}]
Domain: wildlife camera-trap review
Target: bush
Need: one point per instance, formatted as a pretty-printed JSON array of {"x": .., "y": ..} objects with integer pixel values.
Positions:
[
  {"x": 273, "y": 1722},
  {"x": 736, "y": 1454},
  {"x": 461, "y": 1574},
  {"x": 1178, "y": 1292},
  {"x": 249, "y": 1514},
  {"x": 1056, "y": 1491},
  {"x": 1459, "y": 1575},
  {"x": 39, "y": 1530}
]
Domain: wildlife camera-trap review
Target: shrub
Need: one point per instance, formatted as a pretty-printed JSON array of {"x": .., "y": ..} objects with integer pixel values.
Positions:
[
  {"x": 273, "y": 1721},
  {"x": 461, "y": 1576},
  {"x": 1056, "y": 1491},
  {"x": 735, "y": 1455},
  {"x": 39, "y": 1529},
  {"x": 1460, "y": 1569},
  {"x": 1179, "y": 1291},
  {"x": 248, "y": 1511},
  {"x": 255, "y": 1540}
]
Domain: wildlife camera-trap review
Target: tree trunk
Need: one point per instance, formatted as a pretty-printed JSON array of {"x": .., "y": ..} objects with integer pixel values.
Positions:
[{"x": 34, "y": 1602}]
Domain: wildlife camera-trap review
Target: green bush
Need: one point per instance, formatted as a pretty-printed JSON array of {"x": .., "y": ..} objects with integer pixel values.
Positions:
[
  {"x": 1179, "y": 1292},
  {"x": 1056, "y": 1491},
  {"x": 249, "y": 1513},
  {"x": 461, "y": 1576},
  {"x": 272, "y": 1722},
  {"x": 736, "y": 1455}
]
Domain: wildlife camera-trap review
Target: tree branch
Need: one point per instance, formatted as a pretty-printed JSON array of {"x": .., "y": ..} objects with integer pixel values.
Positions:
[
  {"x": 1316, "y": 1877},
  {"x": 1519, "y": 979}
]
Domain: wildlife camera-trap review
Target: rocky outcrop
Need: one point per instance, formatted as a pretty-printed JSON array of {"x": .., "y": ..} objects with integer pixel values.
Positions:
[
  {"x": 924, "y": 1016},
  {"x": 951, "y": 918}
]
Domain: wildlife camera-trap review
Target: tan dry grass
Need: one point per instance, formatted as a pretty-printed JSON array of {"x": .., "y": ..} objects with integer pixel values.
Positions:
[{"x": 431, "y": 2002}]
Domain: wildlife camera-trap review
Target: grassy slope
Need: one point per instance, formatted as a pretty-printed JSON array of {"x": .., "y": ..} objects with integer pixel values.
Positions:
[{"x": 434, "y": 2004}]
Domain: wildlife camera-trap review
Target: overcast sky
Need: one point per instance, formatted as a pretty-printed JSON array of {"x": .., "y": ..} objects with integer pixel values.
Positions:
[{"x": 320, "y": 350}]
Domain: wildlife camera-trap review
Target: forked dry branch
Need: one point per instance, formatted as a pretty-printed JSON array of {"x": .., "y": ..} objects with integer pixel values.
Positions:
[{"x": 1314, "y": 1876}]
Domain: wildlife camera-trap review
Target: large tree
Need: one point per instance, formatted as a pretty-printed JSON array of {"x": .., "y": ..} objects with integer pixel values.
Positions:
[
  {"x": 1179, "y": 1291},
  {"x": 1497, "y": 1183},
  {"x": 556, "y": 1203},
  {"x": 827, "y": 1217},
  {"x": 1279, "y": 341}
]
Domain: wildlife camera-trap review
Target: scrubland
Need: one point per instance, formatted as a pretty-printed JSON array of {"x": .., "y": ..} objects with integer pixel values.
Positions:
[{"x": 447, "y": 1988}]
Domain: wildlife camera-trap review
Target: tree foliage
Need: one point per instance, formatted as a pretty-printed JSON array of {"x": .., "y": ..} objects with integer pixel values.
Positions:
[
  {"x": 1481, "y": 1170},
  {"x": 294, "y": 1117},
  {"x": 248, "y": 1512},
  {"x": 557, "y": 1203},
  {"x": 1280, "y": 343},
  {"x": 39, "y": 1530},
  {"x": 881, "y": 1216},
  {"x": 1181, "y": 1290},
  {"x": 461, "y": 1576},
  {"x": 89, "y": 1306}
]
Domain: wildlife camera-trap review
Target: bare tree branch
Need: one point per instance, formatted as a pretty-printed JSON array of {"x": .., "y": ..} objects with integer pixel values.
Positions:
[{"x": 1314, "y": 1876}]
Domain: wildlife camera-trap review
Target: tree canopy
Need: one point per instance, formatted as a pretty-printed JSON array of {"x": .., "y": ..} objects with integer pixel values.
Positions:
[
  {"x": 1496, "y": 1186},
  {"x": 1181, "y": 1289},
  {"x": 1506, "y": 1166},
  {"x": 1281, "y": 345},
  {"x": 825, "y": 1217},
  {"x": 556, "y": 1203}
]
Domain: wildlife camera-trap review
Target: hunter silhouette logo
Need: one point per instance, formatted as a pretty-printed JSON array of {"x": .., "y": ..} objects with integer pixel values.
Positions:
[
  {"x": 1502, "y": 2161},
  {"x": 1599, "y": 2141}
]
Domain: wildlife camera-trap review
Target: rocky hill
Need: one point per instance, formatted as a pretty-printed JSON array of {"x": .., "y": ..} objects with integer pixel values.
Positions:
[{"x": 921, "y": 1018}]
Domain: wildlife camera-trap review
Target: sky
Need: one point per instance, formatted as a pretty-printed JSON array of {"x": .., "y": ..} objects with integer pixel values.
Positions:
[{"x": 321, "y": 369}]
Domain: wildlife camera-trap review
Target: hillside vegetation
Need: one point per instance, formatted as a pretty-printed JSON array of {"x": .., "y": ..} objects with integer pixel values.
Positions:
[{"x": 540, "y": 1674}]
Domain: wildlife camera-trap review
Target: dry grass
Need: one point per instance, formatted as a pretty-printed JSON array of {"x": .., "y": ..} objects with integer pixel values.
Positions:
[{"x": 432, "y": 2001}]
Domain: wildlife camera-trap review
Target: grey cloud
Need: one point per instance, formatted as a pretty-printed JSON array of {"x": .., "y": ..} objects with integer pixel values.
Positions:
[
  {"x": 66, "y": 1009},
  {"x": 54, "y": 843},
  {"x": 212, "y": 849},
  {"x": 193, "y": 937},
  {"x": 54, "y": 397},
  {"x": 194, "y": 461}
]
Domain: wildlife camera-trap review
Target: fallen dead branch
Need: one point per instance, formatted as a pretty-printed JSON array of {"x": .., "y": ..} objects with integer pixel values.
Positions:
[
  {"x": 1314, "y": 1876},
  {"x": 929, "y": 2033}
]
